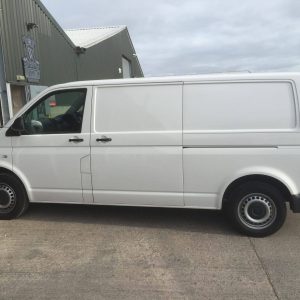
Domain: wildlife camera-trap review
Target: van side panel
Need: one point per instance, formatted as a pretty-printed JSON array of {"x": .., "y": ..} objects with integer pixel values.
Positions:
[
  {"x": 235, "y": 129},
  {"x": 234, "y": 106},
  {"x": 208, "y": 171},
  {"x": 142, "y": 164}
]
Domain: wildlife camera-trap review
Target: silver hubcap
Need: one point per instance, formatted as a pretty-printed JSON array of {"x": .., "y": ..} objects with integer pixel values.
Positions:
[
  {"x": 7, "y": 198},
  {"x": 257, "y": 211}
]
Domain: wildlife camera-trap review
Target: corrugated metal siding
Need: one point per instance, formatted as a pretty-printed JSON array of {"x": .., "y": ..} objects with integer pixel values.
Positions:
[
  {"x": 53, "y": 48},
  {"x": 103, "y": 60}
]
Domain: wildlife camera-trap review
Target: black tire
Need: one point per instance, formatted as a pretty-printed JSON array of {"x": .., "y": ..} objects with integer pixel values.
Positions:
[
  {"x": 256, "y": 209},
  {"x": 13, "y": 197}
]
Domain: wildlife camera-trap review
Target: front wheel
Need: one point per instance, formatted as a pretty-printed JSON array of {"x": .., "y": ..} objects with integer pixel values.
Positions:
[
  {"x": 13, "y": 197},
  {"x": 257, "y": 209}
]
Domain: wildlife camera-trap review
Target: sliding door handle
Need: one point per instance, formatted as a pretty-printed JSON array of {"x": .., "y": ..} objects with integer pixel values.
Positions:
[{"x": 104, "y": 139}]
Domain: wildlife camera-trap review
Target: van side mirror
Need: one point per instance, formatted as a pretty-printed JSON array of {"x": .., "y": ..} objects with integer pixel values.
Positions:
[{"x": 16, "y": 128}]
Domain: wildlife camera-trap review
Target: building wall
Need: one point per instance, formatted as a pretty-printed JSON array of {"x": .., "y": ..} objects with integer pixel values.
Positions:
[
  {"x": 103, "y": 60},
  {"x": 55, "y": 52},
  {"x": 53, "y": 48}
]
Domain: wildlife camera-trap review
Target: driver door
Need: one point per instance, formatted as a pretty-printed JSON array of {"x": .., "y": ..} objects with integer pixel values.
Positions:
[{"x": 53, "y": 152}]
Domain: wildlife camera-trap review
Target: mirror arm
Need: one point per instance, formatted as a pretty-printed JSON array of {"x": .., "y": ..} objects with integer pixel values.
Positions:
[
  {"x": 11, "y": 132},
  {"x": 16, "y": 128}
]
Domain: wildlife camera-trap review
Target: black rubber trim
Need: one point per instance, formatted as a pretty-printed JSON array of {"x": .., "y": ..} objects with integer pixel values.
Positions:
[{"x": 295, "y": 203}]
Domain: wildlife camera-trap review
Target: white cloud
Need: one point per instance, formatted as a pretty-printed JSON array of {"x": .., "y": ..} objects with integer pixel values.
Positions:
[{"x": 197, "y": 36}]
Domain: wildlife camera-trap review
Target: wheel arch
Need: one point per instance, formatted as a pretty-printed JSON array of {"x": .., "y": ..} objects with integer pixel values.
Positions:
[
  {"x": 21, "y": 180},
  {"x": 286, "y": 190}
]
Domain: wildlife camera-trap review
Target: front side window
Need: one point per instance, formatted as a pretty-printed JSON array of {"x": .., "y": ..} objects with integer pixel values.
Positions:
[{"x": 57, "y": 113}]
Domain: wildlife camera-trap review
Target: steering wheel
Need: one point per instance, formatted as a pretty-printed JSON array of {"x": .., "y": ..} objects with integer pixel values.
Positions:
[
  {"x": 77, "y": 118},
  {"x": 72, "y": 119},
  {"x": 66, "y": 121}
]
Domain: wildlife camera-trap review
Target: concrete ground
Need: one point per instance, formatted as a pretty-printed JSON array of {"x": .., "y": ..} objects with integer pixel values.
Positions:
[{"x": 86, "y": 252}]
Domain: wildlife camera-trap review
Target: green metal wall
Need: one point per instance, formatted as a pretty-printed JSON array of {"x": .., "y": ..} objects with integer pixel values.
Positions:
[
  {"x": 103, "y": 60},
  {"x": 54, "y": 50}
]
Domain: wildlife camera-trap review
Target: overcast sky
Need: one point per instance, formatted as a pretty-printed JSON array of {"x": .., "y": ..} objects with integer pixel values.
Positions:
[{"x": 197, "y": 36}]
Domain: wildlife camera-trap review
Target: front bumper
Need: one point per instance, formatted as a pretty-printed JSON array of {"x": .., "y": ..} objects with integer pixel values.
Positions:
[{"x": 295, "y": 203}]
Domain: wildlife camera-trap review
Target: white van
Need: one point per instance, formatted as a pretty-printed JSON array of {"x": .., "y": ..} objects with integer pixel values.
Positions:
[{"x": 205, "y": 142}]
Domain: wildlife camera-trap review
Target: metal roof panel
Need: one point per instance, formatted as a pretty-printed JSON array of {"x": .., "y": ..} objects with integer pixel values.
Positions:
[{"x": 88, "y": 37}]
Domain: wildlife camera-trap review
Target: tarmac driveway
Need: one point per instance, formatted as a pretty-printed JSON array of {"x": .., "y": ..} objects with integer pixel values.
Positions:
[{"x": 88, "y": 252}]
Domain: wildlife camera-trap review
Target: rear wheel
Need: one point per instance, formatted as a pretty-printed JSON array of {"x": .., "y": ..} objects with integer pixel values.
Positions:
[
  {"x": 257, "y": 209},
  {"x": 13, "y": 197}
]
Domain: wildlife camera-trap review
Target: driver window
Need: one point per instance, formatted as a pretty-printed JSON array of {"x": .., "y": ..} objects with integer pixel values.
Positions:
[{"x": 58, "y": 112}]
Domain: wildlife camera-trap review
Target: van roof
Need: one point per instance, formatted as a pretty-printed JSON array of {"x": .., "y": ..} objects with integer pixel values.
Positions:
[{"x": 187, "y": 78}]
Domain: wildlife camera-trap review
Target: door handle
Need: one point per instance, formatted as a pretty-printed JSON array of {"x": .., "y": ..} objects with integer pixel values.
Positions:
[
  {"x": 104, "y": 139},
  {"x": 76, "y": 140}
]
